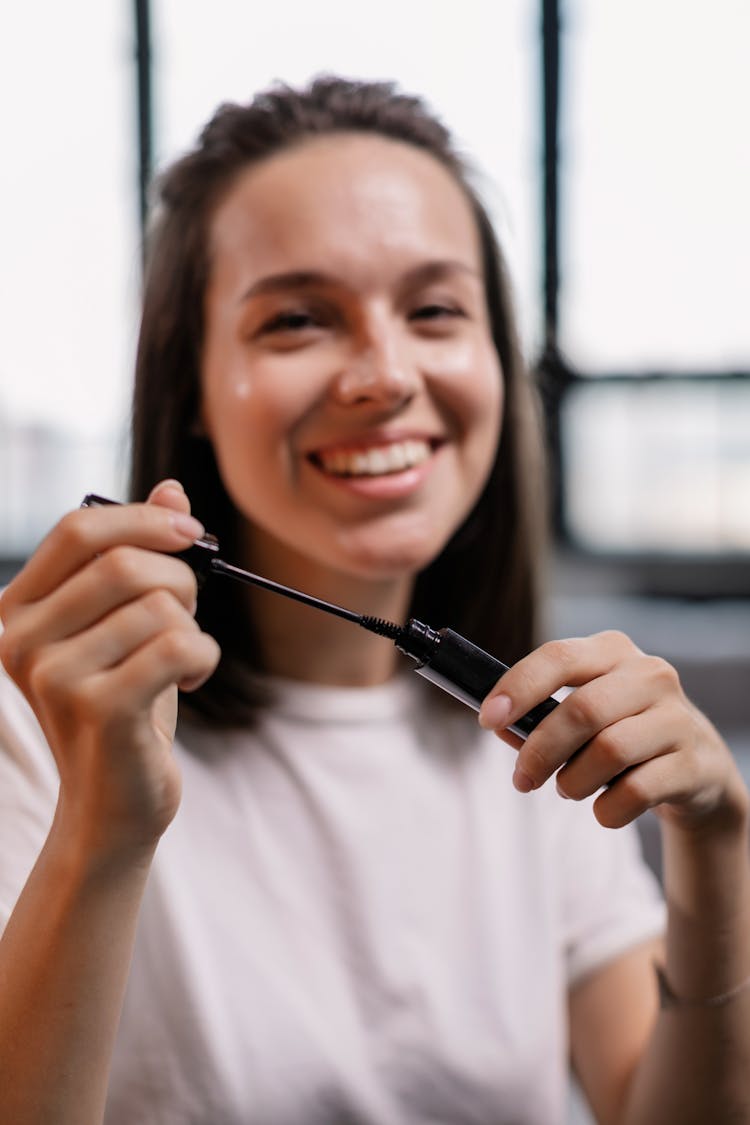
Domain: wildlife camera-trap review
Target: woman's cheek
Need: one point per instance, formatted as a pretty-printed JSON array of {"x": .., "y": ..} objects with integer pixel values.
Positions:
[
  {"x": 467, "y": 368},
  {"x": 472, "y": 395},
  {"x": 292, "y": 381}
]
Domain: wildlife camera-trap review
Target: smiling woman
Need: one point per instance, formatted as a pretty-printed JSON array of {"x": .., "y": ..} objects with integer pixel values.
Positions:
[
  {"x": 369, "y": 908},
  {"x": 329, "y": 342}
]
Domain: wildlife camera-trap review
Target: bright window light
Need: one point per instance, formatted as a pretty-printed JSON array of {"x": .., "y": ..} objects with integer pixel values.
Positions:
[
  {"x": 655, "y": 183},
  {"x": 70, "y": 265},
  {"x": 658, "y": 467}
]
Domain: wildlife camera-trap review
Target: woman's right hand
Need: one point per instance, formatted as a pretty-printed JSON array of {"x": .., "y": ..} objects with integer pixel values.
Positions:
[{"x": 98, "y": 635}]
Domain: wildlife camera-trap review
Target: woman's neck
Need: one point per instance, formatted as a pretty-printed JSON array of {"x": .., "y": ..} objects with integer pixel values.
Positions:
[{"x": 302, "y": 643}]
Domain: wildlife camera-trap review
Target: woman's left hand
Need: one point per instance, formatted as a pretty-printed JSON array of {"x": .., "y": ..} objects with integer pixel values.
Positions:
[{"x": 628, "y": 727}]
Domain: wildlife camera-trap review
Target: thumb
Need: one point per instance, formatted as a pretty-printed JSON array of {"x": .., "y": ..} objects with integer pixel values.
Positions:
[{"x": 170, "y": 494}]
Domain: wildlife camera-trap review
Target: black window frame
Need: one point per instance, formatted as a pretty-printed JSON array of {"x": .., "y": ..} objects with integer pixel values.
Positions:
[{"x": 678, "y": 574}]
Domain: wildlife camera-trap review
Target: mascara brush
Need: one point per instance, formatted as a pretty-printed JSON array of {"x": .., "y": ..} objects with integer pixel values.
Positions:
[{"x": 444, "y": 657}]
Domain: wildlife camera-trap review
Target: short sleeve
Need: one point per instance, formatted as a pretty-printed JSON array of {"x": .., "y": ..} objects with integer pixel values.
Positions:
[
  {"x": 28, "y": 793},
  {"x": 610, "y": 899}
]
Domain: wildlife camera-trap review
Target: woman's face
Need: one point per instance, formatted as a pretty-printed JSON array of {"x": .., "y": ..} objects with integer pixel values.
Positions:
[{"x": 351, "y": 389}]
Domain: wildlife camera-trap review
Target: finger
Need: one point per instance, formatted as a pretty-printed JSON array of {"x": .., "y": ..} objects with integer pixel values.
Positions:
[
  {"x": 113, "y": 699},
  {"x": 643, "y": 787},
  {"x": 119, "y": 576},
  {"x": 509, "y": 738},
  {"x": 61, "y": 667},
  {"x": 83, "y": 534},
  {"x": 619, "y": 747},
  {"x": 599, "y": 705},
  {"x": 173, "y": 657},
  {"x": 548, "y": 669}
]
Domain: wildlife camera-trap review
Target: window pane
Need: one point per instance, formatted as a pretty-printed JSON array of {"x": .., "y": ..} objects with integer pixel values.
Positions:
[
  {"x": 480, "y": 71},
  {"x": 655, "y": 151},
  {"x": 68, "y": 230},
  {"x": 658, "y": 466}
]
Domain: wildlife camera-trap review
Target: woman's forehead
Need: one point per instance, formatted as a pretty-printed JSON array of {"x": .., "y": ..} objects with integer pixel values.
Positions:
[{"x": 344, "y": 195}]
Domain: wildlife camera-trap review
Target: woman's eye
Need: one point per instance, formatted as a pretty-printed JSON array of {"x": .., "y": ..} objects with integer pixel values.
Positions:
[
  {"x": 435, "y": 312},
  {"x": 292, "y": 321}
]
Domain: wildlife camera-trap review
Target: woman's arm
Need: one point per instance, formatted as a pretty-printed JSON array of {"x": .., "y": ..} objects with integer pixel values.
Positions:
[
  {"x": 629, "y": 734},
  {"x": 703, "y": 1047},
  {"x": 98, "y": 631},
  {"x": 64, "y": 959},
  {"x": 688, "y": 1062}
]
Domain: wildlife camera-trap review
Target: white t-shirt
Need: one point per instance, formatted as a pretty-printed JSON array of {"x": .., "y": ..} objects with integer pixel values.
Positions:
[{"x": 353, "y": 920}]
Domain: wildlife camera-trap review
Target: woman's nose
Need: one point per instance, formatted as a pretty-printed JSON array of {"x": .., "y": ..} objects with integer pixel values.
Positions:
[{"x": 376, "y": 372}]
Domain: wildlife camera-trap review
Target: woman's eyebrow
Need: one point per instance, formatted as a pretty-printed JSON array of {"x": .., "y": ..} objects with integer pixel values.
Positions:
[
  {"x": 292, "y": 279},
  {"x": 438, "y": 270},
  {"x": 423, "y": 274}
]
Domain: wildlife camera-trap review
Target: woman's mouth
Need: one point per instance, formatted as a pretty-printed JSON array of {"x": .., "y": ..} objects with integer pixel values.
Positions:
[{"x": 376, "y": 460}]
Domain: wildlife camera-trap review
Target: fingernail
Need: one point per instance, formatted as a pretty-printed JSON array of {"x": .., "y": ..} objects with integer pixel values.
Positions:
[
  {"x": 495, "y": 712},
  {"x": 522, "y": 781},
  {"x": 560, "y": 791},
  {"x": 175, "y": 485},
  {"x": 187, "y": 525}
]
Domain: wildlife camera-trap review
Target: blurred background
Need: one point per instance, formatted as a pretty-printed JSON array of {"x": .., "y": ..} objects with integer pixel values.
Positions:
[{"x": 611, "y": 146}]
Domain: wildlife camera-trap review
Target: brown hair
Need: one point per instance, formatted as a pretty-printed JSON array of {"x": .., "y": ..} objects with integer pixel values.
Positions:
[{"x": 484, "y": 582}]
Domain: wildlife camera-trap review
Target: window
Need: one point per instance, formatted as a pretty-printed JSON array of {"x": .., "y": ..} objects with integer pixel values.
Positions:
[
  {"x": 70, "y": 260},
  {"x": 653, "y": 333}
]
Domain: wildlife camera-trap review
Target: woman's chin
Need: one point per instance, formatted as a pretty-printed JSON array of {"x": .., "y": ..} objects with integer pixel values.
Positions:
[{"x": 389, "y": 559}]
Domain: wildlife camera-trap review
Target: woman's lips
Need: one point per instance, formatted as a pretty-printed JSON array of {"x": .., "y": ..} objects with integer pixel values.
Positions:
[
  {"x": 375, "y": 460},
  {"x": 382, "y": 470}
]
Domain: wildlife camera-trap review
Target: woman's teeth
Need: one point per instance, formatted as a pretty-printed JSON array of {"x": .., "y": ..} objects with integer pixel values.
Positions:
[{"x": 381, "y": 459}]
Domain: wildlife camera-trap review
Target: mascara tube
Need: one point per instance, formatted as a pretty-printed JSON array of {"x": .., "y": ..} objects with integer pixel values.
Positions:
[{"x": 462, "y": 669}]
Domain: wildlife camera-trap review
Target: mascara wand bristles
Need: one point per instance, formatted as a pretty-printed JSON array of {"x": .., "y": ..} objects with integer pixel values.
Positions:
[{"x": 381, "y": 627}]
